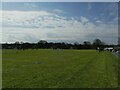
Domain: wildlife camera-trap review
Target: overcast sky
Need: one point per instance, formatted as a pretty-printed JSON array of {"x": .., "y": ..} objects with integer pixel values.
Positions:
[{"x": 69, "y": 22}]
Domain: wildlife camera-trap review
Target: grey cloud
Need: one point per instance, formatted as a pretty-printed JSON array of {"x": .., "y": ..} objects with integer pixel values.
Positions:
[
  {"x": 30, "y": 38},
  {"x": 57, "y": 35}
]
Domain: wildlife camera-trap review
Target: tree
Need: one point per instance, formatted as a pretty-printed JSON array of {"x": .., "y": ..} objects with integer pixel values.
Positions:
[
  {"x": 87, "y": 44},
  {"x": 76, "y": 45},
  {"x": 97, "y": 42},
  {"x": 42, "y": 44},
  {"x": 17, "y": 45}
]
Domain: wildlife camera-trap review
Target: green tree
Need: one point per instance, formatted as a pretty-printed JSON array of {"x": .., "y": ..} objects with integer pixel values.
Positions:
[{"x": 97, "y": 42}]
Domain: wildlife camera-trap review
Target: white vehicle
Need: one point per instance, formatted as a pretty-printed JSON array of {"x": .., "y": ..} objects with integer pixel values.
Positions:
[{"x": 109, "y": 49}]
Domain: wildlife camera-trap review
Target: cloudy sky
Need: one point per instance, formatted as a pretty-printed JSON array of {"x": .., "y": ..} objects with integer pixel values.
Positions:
[{"x": 57, "y": 22}]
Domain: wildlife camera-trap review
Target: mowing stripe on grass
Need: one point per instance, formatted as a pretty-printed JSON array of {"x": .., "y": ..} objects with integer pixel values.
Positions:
[{"x": 59, "y": 68}]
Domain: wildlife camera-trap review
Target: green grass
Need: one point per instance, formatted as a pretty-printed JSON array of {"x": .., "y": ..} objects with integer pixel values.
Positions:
[
  {"x": 59, "y": 69},
  {"x": 0, "y": 68}
]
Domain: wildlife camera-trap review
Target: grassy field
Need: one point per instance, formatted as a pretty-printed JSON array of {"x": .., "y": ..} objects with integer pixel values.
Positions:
[
  {"x": 59, "y": 68},
  {"x": 0, "y": 68}
]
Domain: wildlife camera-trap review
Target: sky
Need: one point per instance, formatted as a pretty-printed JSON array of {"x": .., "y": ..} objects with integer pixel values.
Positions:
[{"x": 59, "y": 21}]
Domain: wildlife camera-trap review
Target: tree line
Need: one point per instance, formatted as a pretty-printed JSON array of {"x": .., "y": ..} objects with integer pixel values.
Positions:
[{"x": 43, "y": 44}]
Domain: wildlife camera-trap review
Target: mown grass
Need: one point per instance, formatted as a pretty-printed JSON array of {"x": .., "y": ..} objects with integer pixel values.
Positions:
[
  {"x": 0, "y": 68},
  {"x": 59, "y": 69}
]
